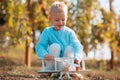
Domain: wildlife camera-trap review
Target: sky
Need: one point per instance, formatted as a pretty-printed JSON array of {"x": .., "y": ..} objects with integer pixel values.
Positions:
[
  {"x": 116, "y": 5},
  {"x": 105, "y": 4}
]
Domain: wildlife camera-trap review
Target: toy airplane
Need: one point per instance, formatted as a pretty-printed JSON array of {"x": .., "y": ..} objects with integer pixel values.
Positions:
[{"x": 69, "y": 62}]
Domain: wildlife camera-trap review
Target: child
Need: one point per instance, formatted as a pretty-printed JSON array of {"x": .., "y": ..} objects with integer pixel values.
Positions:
[{"x": 58, "y": 40}]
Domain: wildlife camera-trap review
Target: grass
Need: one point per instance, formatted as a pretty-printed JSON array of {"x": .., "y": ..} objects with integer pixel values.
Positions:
[
  {"x": 12, "y": 63},
  {"x": 15, "y": 56}
]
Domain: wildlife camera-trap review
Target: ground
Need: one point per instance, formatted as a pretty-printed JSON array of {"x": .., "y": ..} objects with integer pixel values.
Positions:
[
  {"x": 10, "y": 70},
  {"x": 12, "y": 67}
]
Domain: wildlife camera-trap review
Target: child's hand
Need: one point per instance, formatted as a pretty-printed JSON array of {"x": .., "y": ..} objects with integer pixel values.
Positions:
[
  {"x": 77, "y": 62},
  {"x": 49, "y": 57}
]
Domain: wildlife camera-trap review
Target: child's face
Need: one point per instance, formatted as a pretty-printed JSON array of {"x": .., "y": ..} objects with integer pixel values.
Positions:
[{"x": 58, "y": 20}]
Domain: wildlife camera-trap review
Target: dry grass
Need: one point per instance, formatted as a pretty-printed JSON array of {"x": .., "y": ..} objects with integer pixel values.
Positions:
[{"x": 12, "y": 64}]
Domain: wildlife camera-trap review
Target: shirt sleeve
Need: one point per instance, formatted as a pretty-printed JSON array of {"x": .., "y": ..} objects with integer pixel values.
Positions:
[
  {"x": 77, "y": 46},
  {"x": 42, "y": 45}
]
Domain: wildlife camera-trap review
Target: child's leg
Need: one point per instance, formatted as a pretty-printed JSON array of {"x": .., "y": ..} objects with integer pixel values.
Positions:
[
  {"x": 54, "y": 49},
  {"x": 69, "y": 53}
]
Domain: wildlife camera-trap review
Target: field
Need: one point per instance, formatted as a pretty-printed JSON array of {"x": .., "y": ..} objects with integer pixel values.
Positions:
[{"x": 12, "y": 67}]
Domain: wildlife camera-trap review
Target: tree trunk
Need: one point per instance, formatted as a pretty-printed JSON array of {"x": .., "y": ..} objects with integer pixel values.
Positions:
[
  {"x": 34, "y": 38},
  {"x": 2, "y": 0},
  {"x": 110, "y": 3},
  {"x": 112, "y": 59},
  {"x": 112, "y": 50},
  {"x": 27, "y": 51},
  {"x": 27, "y": 55},
  {"x": 45, "y": 12}
]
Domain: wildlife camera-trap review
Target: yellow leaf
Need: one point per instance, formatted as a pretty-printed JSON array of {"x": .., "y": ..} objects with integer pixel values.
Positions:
[
  {"x": 7, "y": 34},
  {"x": 100, "y": 25},
  {"x": 10, "y": 22},
  {"x": 112, "y": 26},
  {"x": 35, "y": 21},
  {"x": 108, "y": 34}
]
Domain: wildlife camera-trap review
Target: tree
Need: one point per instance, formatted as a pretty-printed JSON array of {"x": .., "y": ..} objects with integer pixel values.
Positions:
[
  {"x": 106, "y": 31},
  {"x": 23, "y": 19},
  {"x": 80, "y": 20},
  {"x": 2, "y": 22},
  {"x": 89, "y": 33}
]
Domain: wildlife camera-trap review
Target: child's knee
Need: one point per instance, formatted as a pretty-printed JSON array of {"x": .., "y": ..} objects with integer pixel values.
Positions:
[
  {"x": 55, "y": 49},
  {"x": 69, "y": 52}
]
